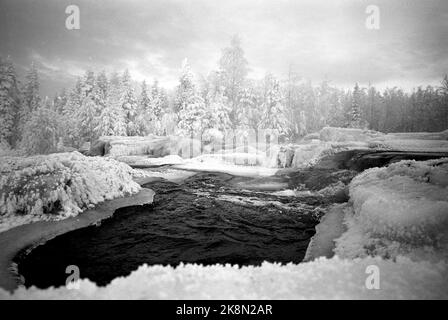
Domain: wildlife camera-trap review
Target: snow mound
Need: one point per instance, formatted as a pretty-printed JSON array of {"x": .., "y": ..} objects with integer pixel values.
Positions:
[
  {"x": 57, "y": 186},
  {"x": 321, "y": 279},
  {"x": 398, "y": 210}
]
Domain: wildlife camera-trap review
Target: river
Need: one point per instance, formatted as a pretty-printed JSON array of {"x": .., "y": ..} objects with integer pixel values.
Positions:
[{"x": 206, "y": 219}]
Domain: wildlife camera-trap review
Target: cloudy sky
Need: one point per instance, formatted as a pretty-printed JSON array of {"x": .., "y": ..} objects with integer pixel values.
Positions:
[{"x": 317, "y": 39}]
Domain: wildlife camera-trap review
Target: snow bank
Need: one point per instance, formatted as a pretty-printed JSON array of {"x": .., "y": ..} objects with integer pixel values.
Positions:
[
  {"x": 143, "y": 161},
  {"x": 401, "y": 209},
  {"x": 218, "y": 163},
  {"x": 321, "y": 279},
  {"x": 347, "y": 134},
  {"x": 413, "y": 145},
  {"x": 157, "y": 146},
  {"x": 57, "y": 186},
  {"x": 417, "y": 136}
]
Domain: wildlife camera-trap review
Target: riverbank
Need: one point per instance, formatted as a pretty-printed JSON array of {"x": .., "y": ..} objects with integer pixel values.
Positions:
[{"x": 30, "y": 235}]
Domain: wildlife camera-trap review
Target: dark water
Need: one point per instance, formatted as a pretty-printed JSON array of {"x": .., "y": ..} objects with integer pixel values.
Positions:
[{"x": 192, "y": 222}]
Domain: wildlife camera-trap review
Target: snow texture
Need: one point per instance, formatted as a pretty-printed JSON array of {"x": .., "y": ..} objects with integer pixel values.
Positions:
[
  {"x": 320, "y": 279},
  {"x": 401, "y": 209},
  {"x": 57, "y": 186}
]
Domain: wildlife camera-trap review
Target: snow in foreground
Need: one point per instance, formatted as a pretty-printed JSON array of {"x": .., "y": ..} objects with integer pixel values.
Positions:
[
  {"x": 321, "y": 279},
  {"x": 401, "y": 209},
  {"x": 58, "y": 186}
]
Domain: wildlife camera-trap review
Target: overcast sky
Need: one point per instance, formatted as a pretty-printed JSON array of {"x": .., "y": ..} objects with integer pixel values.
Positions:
[{"x": 319, "y": 39}]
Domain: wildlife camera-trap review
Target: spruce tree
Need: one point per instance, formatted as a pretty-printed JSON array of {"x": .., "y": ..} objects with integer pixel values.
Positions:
[
  {"x": 31, "y": 99},
  {"x": 274, "y": 116},
  {"x": 9, "y": 103},
  {"x": 355, "y": 110},
  {"x": 218, "y": 112},
  {"x": 129, "y": 105},
  {"x": 41, "y": 131},
  {"x": 192, "y": 110},
  {"x": 112, "y": 120},
  {"x": 233, "y": 71}
]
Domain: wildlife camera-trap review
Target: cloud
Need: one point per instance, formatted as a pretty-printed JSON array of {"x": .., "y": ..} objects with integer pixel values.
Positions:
[{"x": 320, "y": 39}]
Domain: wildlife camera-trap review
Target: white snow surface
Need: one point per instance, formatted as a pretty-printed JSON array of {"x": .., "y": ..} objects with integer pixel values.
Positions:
[
  {"x": 398, "y": 210},
  {"x": 320, "y": 279},
  {"x": 149, "y": 161},
  {"x": 57, "y": 186},
  {"x": 215, "y": 163}
]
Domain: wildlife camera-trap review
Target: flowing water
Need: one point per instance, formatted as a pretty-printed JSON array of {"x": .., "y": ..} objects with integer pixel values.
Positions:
[{"x": 208, "y": 218}]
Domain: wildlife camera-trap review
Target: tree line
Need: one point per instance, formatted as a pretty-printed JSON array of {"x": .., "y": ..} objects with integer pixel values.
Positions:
[{"x": 225, "y": 99}]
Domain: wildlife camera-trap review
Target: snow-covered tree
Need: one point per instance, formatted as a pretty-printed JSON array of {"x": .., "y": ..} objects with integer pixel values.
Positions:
[
  {"x": 9, "y": 102},
  {"x": 60, "y": 100},
  {"x": 112, "y": 120},
  {"x": 70, "y": 135},
  {"x": 89, "y": 110},
  {"x": 129, "y": 105},
  {"x": 233, "y": 71},
  {"x": 190, "y": 105},
  {"x": 443, "y": 90},
  {"x": 218, "y": 112},
  {"x": 355, "y": 110},
  {"x": 144, "y": 100},
  {"x": 248, "y": 113},
  {"x": 40, "y": 132},
  {"x": 156, "y": 104},
  {"x": 31, "y": 99},
  {"x": 274, "y": 116},
  {"x": 101, "y": 90}
]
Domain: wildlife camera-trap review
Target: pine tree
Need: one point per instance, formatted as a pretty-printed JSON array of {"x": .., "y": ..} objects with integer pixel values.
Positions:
[
  {"x": 89, "y": 110},
  {"x": 112, "y": 120},
  {"x": 190, "y": 105},
  {"x": 233, "y": 71},
  {"x": 40, "y": 134},
  {"x": 144, "y": 117},
  {"x": 129, "y": 105},
  {"x": 248, "y": 113},
  {"x": 156, "y": 101},
  {"x": 60, "y": 100},
  {"x": 274, "y": 116},
  {"x": 444, "y": 102},
  {"x": 31, "y": 99},
  {"x": 144, "y": 101},
  {"x": 101, "y": 90},
  {"x": 71, "y": 135},
  {"x": 218, "y": 112},
  {"x": 9, "y": 102},
  {"x": 355, "y": 111}
]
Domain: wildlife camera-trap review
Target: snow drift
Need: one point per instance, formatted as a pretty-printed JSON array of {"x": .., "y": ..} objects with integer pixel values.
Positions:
[
  {"x": 397, "y": 210},
  {"x": 58, "y": 185},
  {"x": 321, "y": 279}
]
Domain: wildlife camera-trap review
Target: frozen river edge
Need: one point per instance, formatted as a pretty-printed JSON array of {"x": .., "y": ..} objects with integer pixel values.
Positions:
[{"x": 30, "y": 235}]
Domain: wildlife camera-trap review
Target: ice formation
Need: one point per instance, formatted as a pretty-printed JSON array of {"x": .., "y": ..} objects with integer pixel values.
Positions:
[{"x": 58, "y": 186}]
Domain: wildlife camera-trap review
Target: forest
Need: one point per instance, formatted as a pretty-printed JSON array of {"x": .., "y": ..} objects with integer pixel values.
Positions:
[{"x": 101, "y": 104}]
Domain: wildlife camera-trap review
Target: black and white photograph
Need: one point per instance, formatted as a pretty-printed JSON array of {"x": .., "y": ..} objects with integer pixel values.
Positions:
[{"x": 238, "y": 150}]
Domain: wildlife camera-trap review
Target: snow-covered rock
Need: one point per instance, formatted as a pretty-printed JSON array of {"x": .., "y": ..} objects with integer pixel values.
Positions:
[
  {"x": 156, "y": 146},
  {"x": 58, "y": 185},
  {"x": 397, "y": 210}
]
